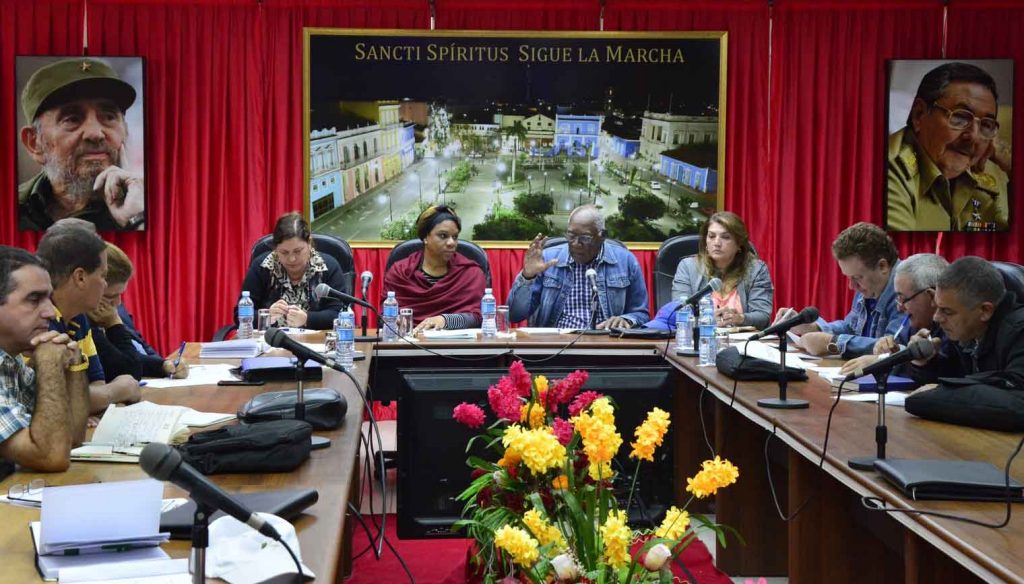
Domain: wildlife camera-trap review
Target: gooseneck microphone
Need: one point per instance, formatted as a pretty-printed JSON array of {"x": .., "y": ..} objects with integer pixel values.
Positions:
[
  {"x": 276, "y": 337},
  {"x": 164, "y": 463},
  {"x": 805, "y": 316},
  {"x": 324, "y": 291},
  {"x": 366, "y": 278},
  {"x": 591, "y": 274},
  {"x": 921, "y": 349},
  {"x": 713, "y": 285},
  {"x": 592, "y": 277}
]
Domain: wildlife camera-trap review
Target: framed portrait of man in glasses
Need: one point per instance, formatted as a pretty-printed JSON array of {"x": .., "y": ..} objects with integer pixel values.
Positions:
[{"x": 949, "y": 144}]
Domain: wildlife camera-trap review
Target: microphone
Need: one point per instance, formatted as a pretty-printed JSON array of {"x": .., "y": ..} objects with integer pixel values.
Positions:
[
  {"x": 805, "y": 316},
  {"x": 922, "y": 349},
  {"x": 164, "y": 463},
  {"x": 276, "y": 337},
  {"x": 366, "y": 277},
  {"x": 592, "y": 276},
  {"x": 322, "y": 290},
  {"x": 713, "y": 285}
]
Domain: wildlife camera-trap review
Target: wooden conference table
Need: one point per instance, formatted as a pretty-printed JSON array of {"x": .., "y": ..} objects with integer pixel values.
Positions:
[
  {"x": 833, "y": 539},
  {"x": 323, "y": 529}
]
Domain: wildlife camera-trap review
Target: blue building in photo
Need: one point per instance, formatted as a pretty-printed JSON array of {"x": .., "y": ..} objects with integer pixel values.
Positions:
[
  {"x": 695, "y": 169},
  {"x": 577, "y": 135}
]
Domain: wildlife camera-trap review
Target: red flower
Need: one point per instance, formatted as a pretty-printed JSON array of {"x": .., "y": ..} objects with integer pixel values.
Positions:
[
  {"x": 563, "y": 431},
  {"x": 566, "y": 389},
  {"x": 582, "y": 401},
  {"x": 504, "y": 402},
  {"x": 469, "y": 414},
  {"x": 520, "y": 378}
]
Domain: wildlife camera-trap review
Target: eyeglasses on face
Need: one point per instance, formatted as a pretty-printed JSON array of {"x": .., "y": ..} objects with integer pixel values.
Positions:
[
  {"x": 585, "y": 239},
  {"x": 900, "y": 299},
  {"x": 960, "y": 119}
]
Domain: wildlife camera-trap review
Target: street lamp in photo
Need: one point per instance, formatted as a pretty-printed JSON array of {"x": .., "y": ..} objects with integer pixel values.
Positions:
[
  {"x": 545, "y": 181},
  {"x": 672, "y": 183},
  {"x": 419, "y": 186},
  {"x": 386, "y": 195},
  {"x": 529, "y": 184}
]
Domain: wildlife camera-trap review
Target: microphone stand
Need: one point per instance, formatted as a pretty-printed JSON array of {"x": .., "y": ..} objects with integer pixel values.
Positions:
[
  {"x": 781, "y": 402},
  {"x": 316, "y": 442},
  {"x": 593, "y": 330},
  {"x": 881, "y": 431},
  {"x": 200, "y": 541},
  {"x": 364, "y": 317}
]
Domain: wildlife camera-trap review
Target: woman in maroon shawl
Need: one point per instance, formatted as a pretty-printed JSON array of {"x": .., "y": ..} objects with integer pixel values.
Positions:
[{"x": 442, "y": 287}]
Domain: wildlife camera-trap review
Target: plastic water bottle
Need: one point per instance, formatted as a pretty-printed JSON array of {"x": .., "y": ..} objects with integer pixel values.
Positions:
[
  {"x": 245, "y": 316},
  {"x": 684, "y": 326},
  {"x": 488, "y": 315},
  {"x": 390, "y": 317},
  {"x": 345, "y": 330},
  {"x": 706, "y": 344}
]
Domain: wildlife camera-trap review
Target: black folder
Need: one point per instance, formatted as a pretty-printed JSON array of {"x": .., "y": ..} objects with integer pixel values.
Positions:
[
  {"x": 949, "y": 480},
  {"x": 284, "y": 504}
]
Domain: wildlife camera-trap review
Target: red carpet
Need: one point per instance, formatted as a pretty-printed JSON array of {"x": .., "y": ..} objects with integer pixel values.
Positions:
[{"x": 442, "y": 561}]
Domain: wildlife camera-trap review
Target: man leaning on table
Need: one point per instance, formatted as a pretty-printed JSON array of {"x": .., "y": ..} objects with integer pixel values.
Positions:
[
  {"x": 553, "y": 291},
  {"x": 43, "y": 408},
  {"x": 867, "y": 257}
]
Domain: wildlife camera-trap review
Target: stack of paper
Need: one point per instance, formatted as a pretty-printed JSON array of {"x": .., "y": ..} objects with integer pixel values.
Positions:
[
  {"x": 445, "y": 334},
  {"x": 235, "y": 349},
  {"x": 81, "y": 524}
]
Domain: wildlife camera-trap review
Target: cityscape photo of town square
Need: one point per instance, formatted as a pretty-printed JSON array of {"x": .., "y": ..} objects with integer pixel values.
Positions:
[{"x": 513, "y": 147}]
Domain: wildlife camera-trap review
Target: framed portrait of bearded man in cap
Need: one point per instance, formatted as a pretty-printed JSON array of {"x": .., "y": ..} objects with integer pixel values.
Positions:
[{"x": 81, "y": 141}]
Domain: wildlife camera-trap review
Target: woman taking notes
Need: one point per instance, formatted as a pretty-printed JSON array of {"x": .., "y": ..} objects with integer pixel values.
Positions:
[
  {"x": 283, "y": 280},
  {"x": 442, "y": 287}
]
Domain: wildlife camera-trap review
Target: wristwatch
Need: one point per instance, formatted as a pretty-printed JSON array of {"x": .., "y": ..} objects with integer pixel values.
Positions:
[
  {"x": 135, "y": 222},
  {"x": 833, "y": 346}
]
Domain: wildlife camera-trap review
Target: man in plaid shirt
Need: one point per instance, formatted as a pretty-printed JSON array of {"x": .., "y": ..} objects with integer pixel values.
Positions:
[{"x": 43, "y": 407}]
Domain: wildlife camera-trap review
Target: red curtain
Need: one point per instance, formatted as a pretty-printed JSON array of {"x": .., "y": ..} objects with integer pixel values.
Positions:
[
  {"x": 45, "y": 27},
  {"x": 826, "y": 130}
]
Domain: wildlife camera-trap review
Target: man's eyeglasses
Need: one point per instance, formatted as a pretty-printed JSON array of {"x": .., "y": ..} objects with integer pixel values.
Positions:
[
  {"x": 574, "y": 237},
  {"x": 901, "y": 300},
  {"x": 959, "y": 119},
  {"x": 31, "y": 493}
]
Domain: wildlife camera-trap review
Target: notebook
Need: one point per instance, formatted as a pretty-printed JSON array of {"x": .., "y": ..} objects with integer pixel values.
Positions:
[
  {"x": 284, "y": 504},
  {"x": 949, "y": 480}
]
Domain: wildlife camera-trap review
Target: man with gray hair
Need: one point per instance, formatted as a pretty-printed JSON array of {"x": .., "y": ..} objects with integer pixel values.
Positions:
[
  {"x": 553, "y": 290},
  {"x": 986, "y": 322}
]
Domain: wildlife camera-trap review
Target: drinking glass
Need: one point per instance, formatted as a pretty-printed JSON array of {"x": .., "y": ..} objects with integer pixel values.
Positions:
[
  {"x": 405, "y": 325},
  {"x": 501, "y": 322},
  {"x": 263, "y": 320}
]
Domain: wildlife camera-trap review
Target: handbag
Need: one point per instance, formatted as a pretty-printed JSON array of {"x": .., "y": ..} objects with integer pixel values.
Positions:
[
  {"x": 278, "y": 446},
  {"x": 730, "y": 363},
  {"x": 325, "y": 408}
]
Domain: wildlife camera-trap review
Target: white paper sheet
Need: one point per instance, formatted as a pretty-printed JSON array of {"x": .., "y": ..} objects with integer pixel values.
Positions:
[
  {"x": 537, "y": 330},
  {"x": 100, "y": 512},
  {"x": 759, "y": 350},
  {"x": 451, "y": 334},
  {"x": 208, "y": 374},
  {"x": 132, "y": 572}
]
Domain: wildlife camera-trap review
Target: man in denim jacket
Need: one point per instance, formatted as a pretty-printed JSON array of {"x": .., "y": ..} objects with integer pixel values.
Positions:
[
  {"x": 552, "y": 290},
  {"x": 868, "y": 258}
]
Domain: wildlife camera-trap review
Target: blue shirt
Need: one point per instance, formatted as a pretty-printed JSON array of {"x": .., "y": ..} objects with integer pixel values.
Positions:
[
  {"x": 621, "y": 288},
  {"x": 865, "y": 324},
  {"x": 79, "y": 330}
]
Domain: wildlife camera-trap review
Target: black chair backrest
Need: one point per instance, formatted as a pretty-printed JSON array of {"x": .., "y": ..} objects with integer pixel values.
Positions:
[
  {"x": 337, "y": 248},
  {"x": 671, "y": 252},
  {"x": 465, "y": 248},
  {"x": 1013, "y": 277}
]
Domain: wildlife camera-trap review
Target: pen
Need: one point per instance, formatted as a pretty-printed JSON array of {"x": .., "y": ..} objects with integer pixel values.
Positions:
[
  {"x": 903, "y": 325},
  {"x": 177, "y": 360}
]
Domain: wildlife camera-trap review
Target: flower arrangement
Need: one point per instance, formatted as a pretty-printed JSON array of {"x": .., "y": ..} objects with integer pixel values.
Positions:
[{"x": 546, "y": 510}]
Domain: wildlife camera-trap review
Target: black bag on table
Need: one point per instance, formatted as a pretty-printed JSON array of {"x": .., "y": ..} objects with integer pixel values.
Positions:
[
  {"x": 989, "y": 400},
  {"x": 730, "y": 363},
  {"x": 278, "y": 446},
  {"x": 325, "y": 408}
]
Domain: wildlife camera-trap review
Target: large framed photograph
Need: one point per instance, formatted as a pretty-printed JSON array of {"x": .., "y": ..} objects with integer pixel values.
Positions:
[
  {"x": 514, "y": 130},
  {"x": 949, "y": 144},
  {"x": 80, "y": 141}
]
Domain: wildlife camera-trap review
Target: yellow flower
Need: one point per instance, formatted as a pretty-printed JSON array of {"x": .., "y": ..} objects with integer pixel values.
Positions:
[
  {"x": 617, "y": 537},
  {"x": 518, "y": 544},
  {"x": 674, "y": 525},
  {"x": 539, "y": 449},
  {"x": 534, "y": 411},
  {"x": 542, "y": 530},
  {"x": 714, "y": 474},
  {"x": 650, "y": 435},
  {"x": 601, "y": 472},
  {"x": 541, "y": 383},
  {"x": 560, "y": 482},
  {"x": 597, "y": 429}
]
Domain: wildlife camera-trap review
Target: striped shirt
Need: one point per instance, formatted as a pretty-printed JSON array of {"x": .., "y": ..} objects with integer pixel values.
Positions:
[
  {"x": 17, "y": 395},
  {"x": 578, "y": 303},
  {"x": 79, "y": 330}
]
